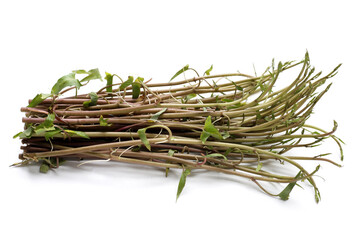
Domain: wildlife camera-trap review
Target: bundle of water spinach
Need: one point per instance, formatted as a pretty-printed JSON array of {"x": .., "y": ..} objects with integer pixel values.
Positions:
[{"x": 231, "y": 123}]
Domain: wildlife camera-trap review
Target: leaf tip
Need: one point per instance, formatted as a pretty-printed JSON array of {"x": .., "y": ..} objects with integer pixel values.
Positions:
[{"x": 44, "y": 168}]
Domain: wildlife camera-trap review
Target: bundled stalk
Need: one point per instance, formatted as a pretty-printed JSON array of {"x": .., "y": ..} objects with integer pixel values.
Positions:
[{"x": 229, "y": 123}]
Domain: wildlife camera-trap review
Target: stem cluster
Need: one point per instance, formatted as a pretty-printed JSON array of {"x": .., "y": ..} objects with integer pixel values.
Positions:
[{"x": 230, "y": 123}]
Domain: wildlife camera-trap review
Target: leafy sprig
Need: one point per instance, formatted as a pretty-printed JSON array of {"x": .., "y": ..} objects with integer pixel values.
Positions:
[{"x": 68, "y": 80}]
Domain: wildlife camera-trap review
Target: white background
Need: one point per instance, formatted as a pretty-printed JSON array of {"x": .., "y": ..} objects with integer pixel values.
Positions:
[{"x": 43, "y": 40}]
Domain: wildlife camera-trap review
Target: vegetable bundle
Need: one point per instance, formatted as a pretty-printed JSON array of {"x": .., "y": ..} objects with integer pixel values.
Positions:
[{"x": 229, "y": 123}]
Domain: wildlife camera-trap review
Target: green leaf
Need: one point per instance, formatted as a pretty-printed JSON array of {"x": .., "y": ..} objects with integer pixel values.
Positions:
[
  {"x": 225, "y": 135},
  {"x": 136, "y": 87},
  {"x": 237, "y": 87},
  {"x": 47, "y": 125},
  {"x": 185, "y": 68},
  {"x": 207, "y": 72},
  {"x": 27, "y": 133},
  {"x": 229, "y": 150},
  {"x": 210, "y": 130},
  {"x": 127, "y": 83},
  {"x": 259, "y": 166},
  {"x": 284, "y": 195},
  {"x": 104, "y": 122},
  {"x": 39, "y": 98},
  {"x": 49, "y": 121},
  {"x": 78, "y": 133},
  {"x": 142, "y": 135},
  {"x": 109, "y": 81},
  {"x": 156, "y": 116},
  {"x": 139, "y": 79},
  {"x": 65, "y": 81},
  {"x": 44, "y": 168},
  {"x": 182, "y": 182},
  {"x": 41, "y": 129},
  {"x": 280, "y": 67},
  {"x": 93, "y": 100},
  {"x": 204, "y": 136},
  {"x": 171, "y": 152},
  {"x": 135, "y": 90},
  {"x": 51, "y": 134},
  {"x": 80, "y": 71},
  {"x": 17, "y": 135},
  {"x": 92, "y": 74},
  {"x": 190, "y": 96}
]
